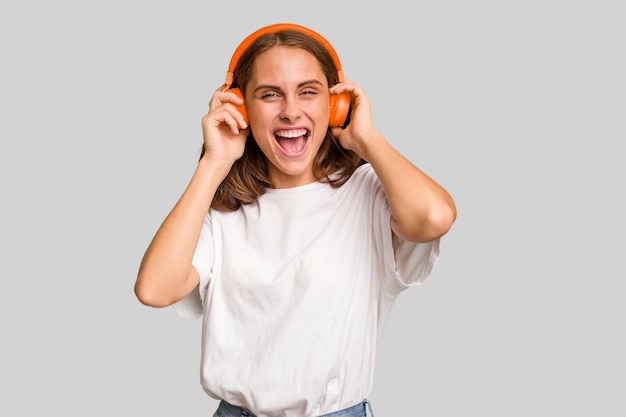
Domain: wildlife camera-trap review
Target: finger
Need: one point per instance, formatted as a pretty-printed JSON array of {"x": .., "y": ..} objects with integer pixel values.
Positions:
[
  {"x": 226, "y": 114},
  {"x": 212, "y": 100},
  {"x": 336, "y": 131},
  {"x": 342, "y": 87},
  {"x": 233, "y": 124},
  {"x": 236, "y": 114},
  {"x": 223, "y": 97}
]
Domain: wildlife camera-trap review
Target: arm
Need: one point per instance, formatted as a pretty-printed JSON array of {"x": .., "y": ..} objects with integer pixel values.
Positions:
[
  {"x": 166, "y": 274},
  {"x": 422, "y": 210}
]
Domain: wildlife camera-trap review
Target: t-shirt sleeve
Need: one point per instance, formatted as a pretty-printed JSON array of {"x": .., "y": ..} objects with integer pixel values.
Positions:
[
  {"x": 407, "y": 263},
  {"x": 191, "y": 306},
  {"x": 415, "y": 261}
]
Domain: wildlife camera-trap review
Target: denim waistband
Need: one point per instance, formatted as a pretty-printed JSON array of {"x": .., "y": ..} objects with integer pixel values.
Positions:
[{"x": 360, "y": 410}]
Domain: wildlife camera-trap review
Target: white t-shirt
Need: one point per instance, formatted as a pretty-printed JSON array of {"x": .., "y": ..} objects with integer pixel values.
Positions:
[{"x": 294, "y": 291}]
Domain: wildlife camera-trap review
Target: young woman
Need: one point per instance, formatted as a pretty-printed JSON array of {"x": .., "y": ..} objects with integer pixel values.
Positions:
[{"x": 297, "y": 231}]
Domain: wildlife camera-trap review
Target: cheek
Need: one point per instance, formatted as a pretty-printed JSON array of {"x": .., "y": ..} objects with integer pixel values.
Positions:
[
  {"x": 320, "y": 111},
  {"x": 261, "y": 138},
  {"x": 258, "y": 123}
]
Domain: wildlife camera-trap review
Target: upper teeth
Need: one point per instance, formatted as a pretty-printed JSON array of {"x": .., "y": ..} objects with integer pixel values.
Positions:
[{"x": 291, "y": 133}]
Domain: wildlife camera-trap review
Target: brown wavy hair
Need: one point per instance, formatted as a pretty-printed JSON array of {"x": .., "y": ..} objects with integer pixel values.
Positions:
[{"x": 248, "y": 177}]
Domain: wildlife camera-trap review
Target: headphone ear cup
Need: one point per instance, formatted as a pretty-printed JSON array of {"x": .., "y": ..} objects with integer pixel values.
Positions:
[
  {"x": 242, "y": 108},
  {"x": 339, "y": 109}
]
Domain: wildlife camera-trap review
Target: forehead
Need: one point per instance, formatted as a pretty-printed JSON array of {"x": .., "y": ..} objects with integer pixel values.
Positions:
[{"x": 286, "y": 62}]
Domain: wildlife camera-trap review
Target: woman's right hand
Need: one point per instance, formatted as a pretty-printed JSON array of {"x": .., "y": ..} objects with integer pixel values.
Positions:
[{"x": 224, "y": 128}]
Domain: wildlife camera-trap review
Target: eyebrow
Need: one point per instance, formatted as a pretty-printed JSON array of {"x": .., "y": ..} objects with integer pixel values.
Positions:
[{"x": 275, "y": 87}]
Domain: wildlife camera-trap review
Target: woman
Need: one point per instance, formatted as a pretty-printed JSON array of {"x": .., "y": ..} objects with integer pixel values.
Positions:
[{"x": 297, "y": 231}]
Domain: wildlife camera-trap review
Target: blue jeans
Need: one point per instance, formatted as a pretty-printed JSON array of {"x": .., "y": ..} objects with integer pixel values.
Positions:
[{"x": 228, "y": 410}]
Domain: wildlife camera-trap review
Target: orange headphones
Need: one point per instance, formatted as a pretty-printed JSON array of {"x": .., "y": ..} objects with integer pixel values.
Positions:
[{"x": 339, "y": 103}]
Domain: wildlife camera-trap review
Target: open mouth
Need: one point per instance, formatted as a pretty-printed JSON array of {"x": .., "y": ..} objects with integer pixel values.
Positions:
[{"x": 292, "y": 141}]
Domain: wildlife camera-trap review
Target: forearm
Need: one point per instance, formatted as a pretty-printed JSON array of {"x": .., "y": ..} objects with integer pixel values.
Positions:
[
  {"x": 165, "y": 273},
  {"x": 422, "y": 210}
]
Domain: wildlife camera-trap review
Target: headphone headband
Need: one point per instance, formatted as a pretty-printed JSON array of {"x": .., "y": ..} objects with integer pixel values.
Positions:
[{"x": 277, "y": 28}]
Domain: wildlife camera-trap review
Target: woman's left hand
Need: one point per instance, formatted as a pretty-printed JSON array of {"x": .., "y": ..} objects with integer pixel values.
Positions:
[{"x": 360, "y": 129}]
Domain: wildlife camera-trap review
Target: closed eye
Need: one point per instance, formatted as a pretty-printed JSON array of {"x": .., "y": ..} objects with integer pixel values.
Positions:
[{"x": 269, "y": 95}]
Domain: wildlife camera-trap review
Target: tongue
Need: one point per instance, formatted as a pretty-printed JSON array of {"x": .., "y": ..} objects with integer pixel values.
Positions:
[{"x": 292, "y": 145}]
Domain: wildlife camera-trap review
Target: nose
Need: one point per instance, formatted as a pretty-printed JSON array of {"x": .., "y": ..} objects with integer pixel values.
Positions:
[{"x": 290, "y": 110}]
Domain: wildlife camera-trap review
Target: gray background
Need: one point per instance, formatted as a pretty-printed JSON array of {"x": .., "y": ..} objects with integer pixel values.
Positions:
[{"x": 517, "y": 108}]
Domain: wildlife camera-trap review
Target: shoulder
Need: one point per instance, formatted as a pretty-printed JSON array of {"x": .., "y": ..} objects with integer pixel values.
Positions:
[
  {"x": 364, "y": 178},
  {"x": 364, "y": 170},
  {"x": 364, "y": 174}
]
